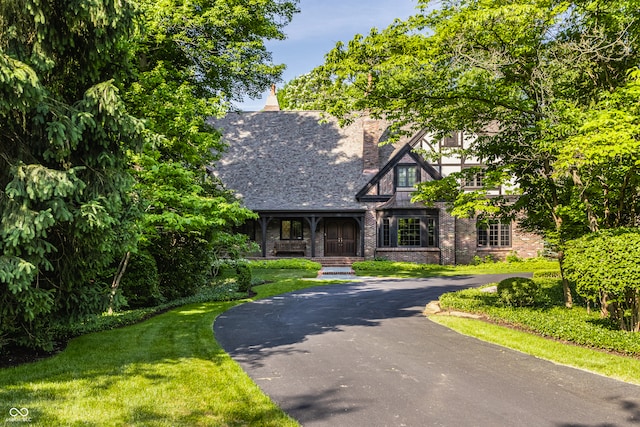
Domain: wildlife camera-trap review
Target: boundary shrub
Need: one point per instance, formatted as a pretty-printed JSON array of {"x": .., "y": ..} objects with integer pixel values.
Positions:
[
  {"x": 605, "y": 267},
  {"x": 547, "y": 274},
  {"x": 141, "y": 282},
  {"x": 518, "y": 292},
  {"x": 244, "y": 277}
]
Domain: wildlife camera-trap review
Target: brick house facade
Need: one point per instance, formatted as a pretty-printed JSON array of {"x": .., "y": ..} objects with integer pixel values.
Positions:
[{"x": 322, "y": 190}]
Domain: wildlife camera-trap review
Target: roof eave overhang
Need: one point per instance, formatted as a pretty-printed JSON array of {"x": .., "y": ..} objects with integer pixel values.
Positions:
[{"x": 309, "y": 212}]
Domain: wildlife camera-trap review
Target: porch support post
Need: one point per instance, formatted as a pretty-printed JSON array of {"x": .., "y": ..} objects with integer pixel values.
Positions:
[
  {"x": 313, "y": 225},
  {"x": 360, "y": 221},
  {"x": 264, "y": 222}
]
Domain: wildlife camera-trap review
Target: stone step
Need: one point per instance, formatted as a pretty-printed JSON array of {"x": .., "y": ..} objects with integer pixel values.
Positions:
[
  {"x": 336, "y": 273},
  {"x": 337, "y": 261}
]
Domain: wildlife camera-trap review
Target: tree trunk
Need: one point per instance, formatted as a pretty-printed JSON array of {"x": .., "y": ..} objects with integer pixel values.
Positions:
[
  {"x": 636, "y": 311},
  {"x": 116, "y": 280},
  {"x": 591, "y": 216},
  {"x": 604, "y": 304},
  {"x": 557, "y": 219},
  {"x": 566, "y": 290}
]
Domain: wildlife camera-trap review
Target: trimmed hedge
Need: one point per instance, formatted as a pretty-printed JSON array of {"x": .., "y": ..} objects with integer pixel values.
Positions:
[
  {"x": 605, "y": 267},
  {"x": 547, "y": 274},
  {"x": 525, "y": 265},
  {"x": 386, "y": 265},
  {"x": 286, "y": 263}
]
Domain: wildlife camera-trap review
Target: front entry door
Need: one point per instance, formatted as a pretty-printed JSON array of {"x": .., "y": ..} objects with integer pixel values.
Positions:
[{"x": 340, "y": 238}]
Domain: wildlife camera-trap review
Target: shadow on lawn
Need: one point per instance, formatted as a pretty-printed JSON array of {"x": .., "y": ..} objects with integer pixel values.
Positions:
[{"x": 117, "y": 373}]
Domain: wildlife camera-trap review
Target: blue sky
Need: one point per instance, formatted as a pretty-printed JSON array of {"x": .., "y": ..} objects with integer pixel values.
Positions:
[{"x": 320, "y": 25}]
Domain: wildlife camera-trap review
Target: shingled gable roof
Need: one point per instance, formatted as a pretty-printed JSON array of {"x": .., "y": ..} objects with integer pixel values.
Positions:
[
  {"x": 290, "y": 161},
  {"x": 398, "y": 155}
]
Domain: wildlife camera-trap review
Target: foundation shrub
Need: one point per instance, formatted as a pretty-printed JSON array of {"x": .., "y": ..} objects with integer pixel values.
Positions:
[{"x": 287, "y": 263}]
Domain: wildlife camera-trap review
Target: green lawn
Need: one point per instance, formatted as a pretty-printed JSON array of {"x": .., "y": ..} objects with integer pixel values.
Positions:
[
  {"x": 624, "y": 368},
  {"x": 169, "y": 370},
  {"x": 166, "y": 371},
  {"x": 407, "y": 269},
  {"x": 596, "y": 345}
]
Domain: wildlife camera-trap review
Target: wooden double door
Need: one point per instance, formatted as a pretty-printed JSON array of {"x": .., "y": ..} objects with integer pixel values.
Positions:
[{"x": 340, "y": 237}]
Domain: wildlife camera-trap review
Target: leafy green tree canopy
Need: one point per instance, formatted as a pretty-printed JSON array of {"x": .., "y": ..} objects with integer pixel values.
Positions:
[
  {"x": 192, "y": 60},
  {"x": 535, "y": 81}
]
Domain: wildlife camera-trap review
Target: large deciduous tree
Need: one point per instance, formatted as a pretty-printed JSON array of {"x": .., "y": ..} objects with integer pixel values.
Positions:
[
  {"x": 544, "y": 84},
  {"x": 193, "y": 59},
  {"x": 64, "y": 181}
]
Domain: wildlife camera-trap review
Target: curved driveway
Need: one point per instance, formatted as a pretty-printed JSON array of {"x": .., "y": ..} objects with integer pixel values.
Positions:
[{"x": 362, "y": 354}]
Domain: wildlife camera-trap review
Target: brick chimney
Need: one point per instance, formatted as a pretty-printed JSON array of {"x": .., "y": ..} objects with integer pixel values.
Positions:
[
  {"x": 272, "y": 101},
  {"x": 372, "y": 131}
]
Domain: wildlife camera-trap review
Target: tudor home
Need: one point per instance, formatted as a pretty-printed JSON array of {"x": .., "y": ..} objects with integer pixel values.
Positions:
[{"x": 322, "y": 190}]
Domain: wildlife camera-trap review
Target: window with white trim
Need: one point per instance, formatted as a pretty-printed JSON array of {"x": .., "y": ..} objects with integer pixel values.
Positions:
[{"x": 474, "y": 181}]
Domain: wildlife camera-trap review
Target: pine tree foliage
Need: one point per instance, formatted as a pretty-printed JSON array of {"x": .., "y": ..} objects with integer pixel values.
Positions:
[
  {"x": 64, "y": 182},
  {"x": 104, "y": 142}
]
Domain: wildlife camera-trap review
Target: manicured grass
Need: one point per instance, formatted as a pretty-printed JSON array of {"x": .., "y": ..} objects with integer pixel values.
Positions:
[
  {"x": 620, "y": 367},
  {"x": 407, "y": 269},
  {"x": 544, "y": 328},
  {"x": 166, "y": 371},
  {"x": 548, "y": 318},
  {"x": 169, "y": 370}
]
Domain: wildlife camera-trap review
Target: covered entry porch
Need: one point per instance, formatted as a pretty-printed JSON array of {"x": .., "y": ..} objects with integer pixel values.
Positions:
[{"x": 318, "y": 234}]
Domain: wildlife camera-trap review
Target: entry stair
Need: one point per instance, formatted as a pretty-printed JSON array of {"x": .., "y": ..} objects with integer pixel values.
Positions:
[{"x": 337, "y": 268}]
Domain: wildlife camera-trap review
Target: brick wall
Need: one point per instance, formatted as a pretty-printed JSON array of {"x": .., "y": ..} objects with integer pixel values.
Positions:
[
  {"x": 457, "y": 242},
  {"x": 370, "y": 232},
  {"x": 523, "y": 244},
  {"x": 466, "y": 240},
  {"x": 447, "y": 237},
  {"x": 526, "y": 245},
  {"x": 419, "y": 255}
]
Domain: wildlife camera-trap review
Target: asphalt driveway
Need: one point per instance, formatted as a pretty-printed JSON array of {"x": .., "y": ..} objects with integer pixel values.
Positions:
[{"x": 362, "y": 354}]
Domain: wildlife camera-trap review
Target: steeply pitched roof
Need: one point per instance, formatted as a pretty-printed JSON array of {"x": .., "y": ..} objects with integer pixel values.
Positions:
[
  {"x": 397, "y": 155},
  {"x": 287, "y": 160}
]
